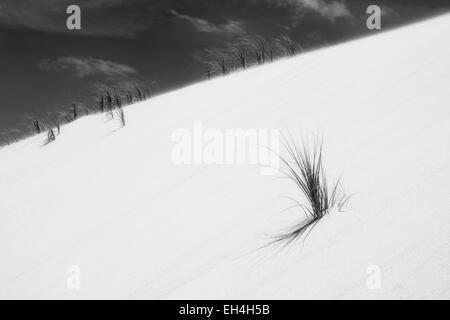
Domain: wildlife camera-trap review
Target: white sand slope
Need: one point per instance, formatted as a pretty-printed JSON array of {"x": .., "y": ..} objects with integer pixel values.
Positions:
[{"x": 138, "y": 226}]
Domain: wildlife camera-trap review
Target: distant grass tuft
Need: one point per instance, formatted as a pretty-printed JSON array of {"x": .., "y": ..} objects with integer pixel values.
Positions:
[
  {"x": 50, "y": 136},
  {"x": 121, "y": 115}
]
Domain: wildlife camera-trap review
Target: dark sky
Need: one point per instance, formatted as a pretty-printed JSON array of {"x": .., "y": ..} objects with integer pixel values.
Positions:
[{"x": 44, "y": 66}]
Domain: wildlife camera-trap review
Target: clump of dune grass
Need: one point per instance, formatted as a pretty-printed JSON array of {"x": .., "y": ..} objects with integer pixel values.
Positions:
[
  {"x": 50, "y": 136},
  {"x": 304, "y": 167},
  {"x": 120, "y": 114}
]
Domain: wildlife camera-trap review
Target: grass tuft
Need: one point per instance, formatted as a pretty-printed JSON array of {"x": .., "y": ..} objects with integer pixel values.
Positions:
[{"x": 304, "y": 167}]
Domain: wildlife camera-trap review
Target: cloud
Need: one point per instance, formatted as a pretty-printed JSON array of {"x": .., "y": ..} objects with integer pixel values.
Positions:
[
  {"x": 201, "y": 25},
  {"x": 330, "y": 10},
  {"x": 82, "y": 67},
  {"x": 389, "y": 12}
]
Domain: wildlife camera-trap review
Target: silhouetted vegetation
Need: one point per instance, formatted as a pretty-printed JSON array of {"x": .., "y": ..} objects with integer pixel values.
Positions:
[
  {"x": 107, "y": 100},
  {"x": 37, "y": 126},
  {"x": 288, "y": 46},
  {"x": 50, "y": 136},
  {"x": 244, "y": 52}
]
